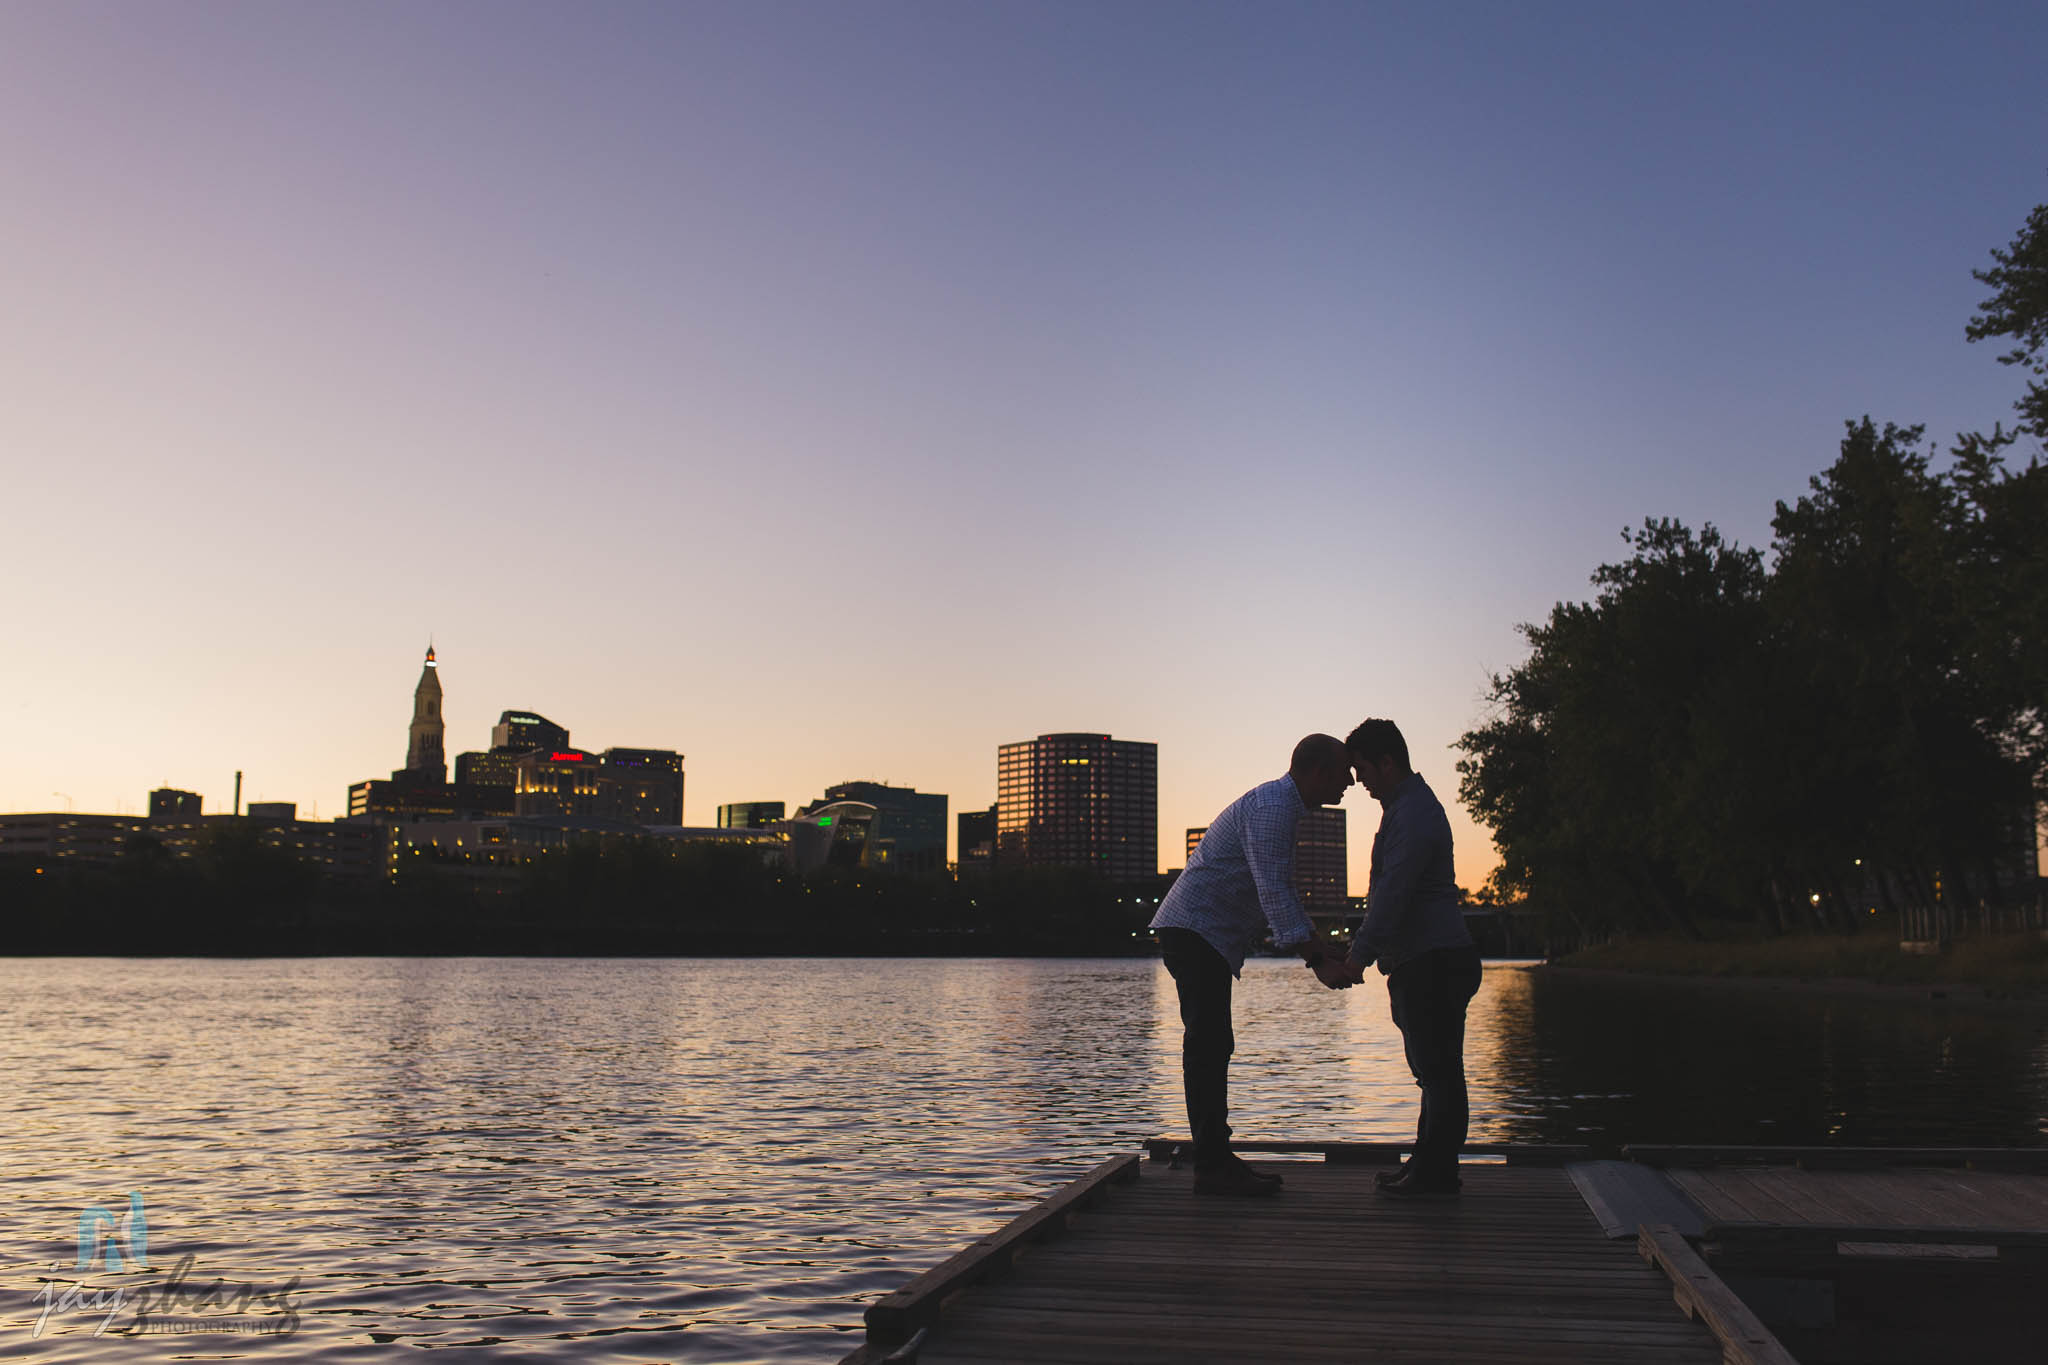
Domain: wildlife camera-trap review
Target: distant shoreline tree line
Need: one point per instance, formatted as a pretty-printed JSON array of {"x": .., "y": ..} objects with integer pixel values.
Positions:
[
  {"x": 236, "y": 896},
  {"x": 1857, "y": 720}
]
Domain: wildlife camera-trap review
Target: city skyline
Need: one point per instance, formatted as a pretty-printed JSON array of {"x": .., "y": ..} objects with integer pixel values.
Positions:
[{"x": 842, "y": 393}]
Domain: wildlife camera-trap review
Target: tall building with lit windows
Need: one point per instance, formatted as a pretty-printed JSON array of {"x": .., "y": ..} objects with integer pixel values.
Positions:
[
  {"x": 1322, "y": 867},
  {"x": 1081, "y": 801},
  {"x": 556, "y": 782},
  {"x": 642, "y": 786},
  {"x": 516, "y": 734}
]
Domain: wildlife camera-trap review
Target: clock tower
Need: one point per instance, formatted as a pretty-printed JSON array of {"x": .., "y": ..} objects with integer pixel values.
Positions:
[{"x": 424, "y": 760}]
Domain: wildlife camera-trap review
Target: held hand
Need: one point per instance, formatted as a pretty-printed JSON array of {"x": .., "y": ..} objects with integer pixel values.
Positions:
[{"x": 1337, "y": 974}]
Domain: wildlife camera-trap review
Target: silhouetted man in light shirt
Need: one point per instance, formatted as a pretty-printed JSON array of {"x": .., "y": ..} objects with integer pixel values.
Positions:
[{"x": 1238, "y": 887}]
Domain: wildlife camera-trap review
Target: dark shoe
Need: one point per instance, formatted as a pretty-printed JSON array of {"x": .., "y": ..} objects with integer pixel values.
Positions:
[
  {"x": 1257, "y": 1171},
  {"x": 1235, "y": 1179},
  {"x": 1408, "y": 1187},
  {"x": 1386, "y": 1178}
]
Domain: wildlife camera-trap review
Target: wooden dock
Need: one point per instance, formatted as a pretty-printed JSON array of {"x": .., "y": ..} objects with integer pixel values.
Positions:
[
  {"x": 1735, "y": 1255},
  {"x": 1143, "y": 1270},
  {"x": 1877, "y": 1256}
]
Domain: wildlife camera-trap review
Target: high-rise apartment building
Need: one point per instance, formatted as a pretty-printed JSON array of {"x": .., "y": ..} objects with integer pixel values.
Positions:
[
  {"x": 1081, "y": 801},
  {"x": 1322, "y": 869}
]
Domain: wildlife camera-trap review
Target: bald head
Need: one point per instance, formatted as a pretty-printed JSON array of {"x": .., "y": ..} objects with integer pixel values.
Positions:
[{"x": 1321, "y": 769}]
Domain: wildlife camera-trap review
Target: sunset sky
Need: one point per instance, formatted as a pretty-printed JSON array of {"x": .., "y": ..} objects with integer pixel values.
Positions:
[{"x": 840, "y": 390}]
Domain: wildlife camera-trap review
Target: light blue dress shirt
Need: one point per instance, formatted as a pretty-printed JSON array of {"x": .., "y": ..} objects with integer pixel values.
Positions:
[{"x": 1239, "y": 883}]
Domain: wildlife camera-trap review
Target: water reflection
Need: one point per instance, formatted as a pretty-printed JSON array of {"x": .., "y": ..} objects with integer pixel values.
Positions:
[
  {"x": 1614, "y": 1061},
  {"x": 660, "y": 1160}
]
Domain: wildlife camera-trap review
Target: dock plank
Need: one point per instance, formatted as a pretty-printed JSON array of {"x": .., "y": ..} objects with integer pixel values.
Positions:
[
  {"x": 1328, "y": 1270},
  {"x": 1743, "y": 1337},
  {"x": 1720, "y": 1200}
]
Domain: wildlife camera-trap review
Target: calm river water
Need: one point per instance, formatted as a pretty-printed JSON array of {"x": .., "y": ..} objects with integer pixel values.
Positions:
[{"x": 631, "y": 1160}]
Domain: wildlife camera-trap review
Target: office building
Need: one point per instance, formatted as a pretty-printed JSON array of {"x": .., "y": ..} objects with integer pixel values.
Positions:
[
  {"x": 642, "y": 786},
  {"x": 750, "y": 814},
  {"x": 521, "y": 732},
  {"x": 489, "y": 853},
  {"x": 378, "y": 799},
  {"x": 1322, "y": 868},
  {"x": 1194, "y": 842},
  {"x": 337, "y": 848},
  {"x": 631, "y": 786},
  {"x": 976, "y": 848},
  {"x": 49, "y": 837},
  {"x": 1079, "y": 801},
  {"x": 168, "y": 803},
  {"x": 489, "y": 767},
  {"x": 273, "y": 811},
  {"x": 557, "y": 782},
  {"x": 831, "y": 834},
  {"x": 344, "y": 850},
  {"x": 908, "y": 833},
  {"x": 516, "y": 734}
]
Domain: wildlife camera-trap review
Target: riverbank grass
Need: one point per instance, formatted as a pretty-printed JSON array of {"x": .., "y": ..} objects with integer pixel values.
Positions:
[{"x": 2017, "y": 962}]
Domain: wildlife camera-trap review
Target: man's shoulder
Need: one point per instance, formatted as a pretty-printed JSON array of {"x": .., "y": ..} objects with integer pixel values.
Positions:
[
  {"x": 1275, "y": 801},
  {"x": 1262, "y": 798},
  {"x": 1427, "y": 807},
  {"x": 1280, "y": 791}
]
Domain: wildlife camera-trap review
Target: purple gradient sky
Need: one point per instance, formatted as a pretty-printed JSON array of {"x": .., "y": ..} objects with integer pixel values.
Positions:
[{"x": 835, "y": 391}]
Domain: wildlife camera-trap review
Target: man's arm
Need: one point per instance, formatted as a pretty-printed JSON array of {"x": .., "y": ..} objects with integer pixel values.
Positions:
[{"x": 1269, "y": 852}]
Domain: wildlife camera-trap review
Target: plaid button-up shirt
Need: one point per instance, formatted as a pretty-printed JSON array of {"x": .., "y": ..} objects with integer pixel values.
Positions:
[{"x": 1239, "y": 884}]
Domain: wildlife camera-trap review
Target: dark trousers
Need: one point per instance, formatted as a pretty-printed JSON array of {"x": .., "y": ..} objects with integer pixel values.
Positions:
[
  {"x": 1429, "y": 995},
  {"x": 1203, "y": 980}
]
